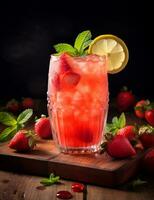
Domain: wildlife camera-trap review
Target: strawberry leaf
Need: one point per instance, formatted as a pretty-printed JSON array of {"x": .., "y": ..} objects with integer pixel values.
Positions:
[
  {"x": 24, "y": 116},
  {"x": 8, "y": 133},
  {"x": 7, "y": 119},
  {"x": 122, "y": 120},
  {"x": 146, "y": 129},
  {"x": 117, "y": 123}
]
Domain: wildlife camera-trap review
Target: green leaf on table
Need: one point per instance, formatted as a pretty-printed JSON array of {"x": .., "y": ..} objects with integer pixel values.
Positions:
[
  {"x": 7, "y": 133},
  {"x": 51, "y": 180},
  {"x": 138, "y": 182},
  {"x": 64, "y": 47},
  {"x": 7, "y": 119},
  {"x": 82, "y": 41},
  {"x": 24, "y": 116}
]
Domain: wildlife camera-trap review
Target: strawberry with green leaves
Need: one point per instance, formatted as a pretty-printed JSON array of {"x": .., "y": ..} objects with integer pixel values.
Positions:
[
  {"x": 146, "y": 135},
  {"x": 118, "y": 137},
  {"x": 140, "y": 108},
  {"x": 119, "y": 127},
  {"x": 145, "y": 109},
  {"x": 23, "y": 141}
]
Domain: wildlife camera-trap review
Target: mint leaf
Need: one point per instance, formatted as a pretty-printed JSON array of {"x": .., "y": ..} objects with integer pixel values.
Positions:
[
  {"x": 82, "y": 41},
  {"x": 7, "y": 133},
  {"x": 138, "y": 182},
  {"x": 86, "y": 44},
  {"x": 24, "y": 116},
  {"x": 115, "y": 120},
  {"x": 64, "y": 47},
  {"x": 51, "y": 180},
  {"x": 122, "y": 120},
  {"x": 7, "y": 119}
]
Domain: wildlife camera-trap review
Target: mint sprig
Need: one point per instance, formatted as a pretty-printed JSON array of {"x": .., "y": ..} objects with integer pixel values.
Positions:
[
  {"x": 81, "y": 43},
  {"x": 117, "y": 123},
  {"x": 64, "y": 47},
  {"x": 51, "y": 180},
  {"x": 13, "y": 124}
]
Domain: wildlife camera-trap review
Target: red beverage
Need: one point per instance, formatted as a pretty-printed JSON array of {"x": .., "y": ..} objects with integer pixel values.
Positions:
[{"x": 78, "y": 101}]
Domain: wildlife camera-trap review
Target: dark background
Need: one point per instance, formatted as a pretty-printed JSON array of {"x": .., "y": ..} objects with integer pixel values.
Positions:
[{"x": 29, "y": 30}]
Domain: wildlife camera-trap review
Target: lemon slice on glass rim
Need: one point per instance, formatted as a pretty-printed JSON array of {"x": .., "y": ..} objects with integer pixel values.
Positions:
[{"x": 114, "y": 48}]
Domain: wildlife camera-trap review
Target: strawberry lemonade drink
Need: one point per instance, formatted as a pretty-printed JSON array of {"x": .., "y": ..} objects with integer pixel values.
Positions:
[{"x": 78, "y": 97}]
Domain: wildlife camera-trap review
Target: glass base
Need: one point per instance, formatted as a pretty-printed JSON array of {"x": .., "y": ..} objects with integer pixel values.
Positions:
[{"x": 82, "y": 150}]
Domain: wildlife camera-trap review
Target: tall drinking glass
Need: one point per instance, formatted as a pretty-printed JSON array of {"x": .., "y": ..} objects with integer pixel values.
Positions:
[{"x": 78, "y": 101}]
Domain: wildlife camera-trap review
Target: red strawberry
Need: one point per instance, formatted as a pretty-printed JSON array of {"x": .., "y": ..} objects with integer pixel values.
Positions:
[
  {"x": 56, "y": 81},
  {"x": 125, "y": 100},
  {"x": 43, "y": 128},
  {"x": 148, "y": 162},
  {"x": 120, "y": 147},
  {"x": 13, "y": 106},
  {"x": 27, "y": 103},
  {"x": 128, "y": 131},
  {"x": 64, "y": 65},
  {"x": 146, "y": 135},
  {"x": 70, "y": 79},
  {"x": 149, "y": 116},
  {"x": 140, "y": 108},
  {"x": 23, "y": 141}
]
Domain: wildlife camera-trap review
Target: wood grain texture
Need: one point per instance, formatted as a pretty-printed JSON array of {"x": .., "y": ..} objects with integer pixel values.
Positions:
[
  {"x": 145, "y": 192},
  {"x": 93, "y": 168},
  {"x": 24, "y": 187},
  {"x": 14, "y": 186}
]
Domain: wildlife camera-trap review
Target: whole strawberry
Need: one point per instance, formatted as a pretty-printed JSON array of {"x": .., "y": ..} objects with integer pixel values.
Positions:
[
  {"x": 27, "y": 103},
  {"x": 23, "y": 141},
  {"x": 13, "y": 106},
  {"x": 125, "y": 100},
  {"x": 43, "y": 128},
  {"x": 146, "y": 135},
  {"x": 148, "y": 162},
  {"x": 128, "y": 131},
  {"x": 149, "y": 116},
  {"x": 140, "y": 108},
  {"x": 120, "y": 147},
  {"x": 118, "y": 137}
]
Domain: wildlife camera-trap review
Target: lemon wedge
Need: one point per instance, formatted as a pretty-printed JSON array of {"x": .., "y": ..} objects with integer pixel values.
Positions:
[{"x": 114, "y": 48}]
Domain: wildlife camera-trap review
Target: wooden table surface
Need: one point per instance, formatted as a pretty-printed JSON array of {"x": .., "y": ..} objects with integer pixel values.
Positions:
[{"x": 15, "y": 186}]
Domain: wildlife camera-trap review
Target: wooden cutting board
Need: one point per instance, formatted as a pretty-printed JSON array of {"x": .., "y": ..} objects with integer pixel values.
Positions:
[{"x": 93, "y": 169}]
